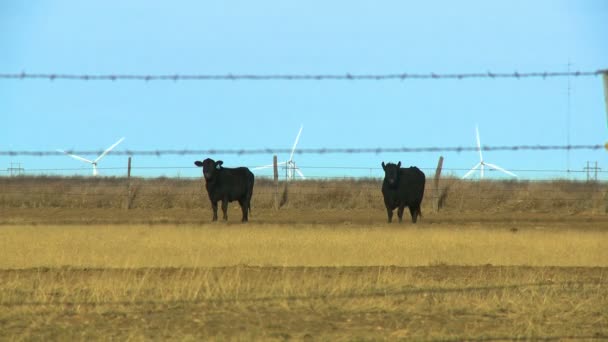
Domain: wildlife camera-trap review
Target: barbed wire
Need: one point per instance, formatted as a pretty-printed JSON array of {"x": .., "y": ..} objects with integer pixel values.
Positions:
[
  {"x": 300, "y": 187},
  {"x": 322, "y": 150},
  {"x": 281, "y": 168},
  {"x": 36, "y": 185},
  {"x": 299, "y": 77}
]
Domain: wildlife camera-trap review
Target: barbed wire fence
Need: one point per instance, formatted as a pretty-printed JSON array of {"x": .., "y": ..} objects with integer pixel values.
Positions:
[
  {"x": 318, "y": 151},
  {"x": 360, "y": 169},
  {"x": 22, "y": 76},
  {"x": 315, "y": 192},
  {"x": 300, "y": 151},
  {"x": 306, "y": 77},
  {"x": 300, "y": 77},
  {"x": 351, "y": 171}
]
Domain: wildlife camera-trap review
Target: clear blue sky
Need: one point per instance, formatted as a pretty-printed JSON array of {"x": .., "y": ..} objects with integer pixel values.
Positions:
[{"x": 312, "y": 37}]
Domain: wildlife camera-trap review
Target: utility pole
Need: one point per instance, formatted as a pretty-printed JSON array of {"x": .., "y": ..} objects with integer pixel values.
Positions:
[
  {"x": 605, "y": 77},
  {"x": 15, "y": 169},
  {"x": 590, "y": 169},
  {"x": 568, "y": 121}
]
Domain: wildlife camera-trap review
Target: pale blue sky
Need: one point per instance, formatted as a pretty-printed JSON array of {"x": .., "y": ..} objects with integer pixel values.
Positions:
[{"x": 311, "y": 37}]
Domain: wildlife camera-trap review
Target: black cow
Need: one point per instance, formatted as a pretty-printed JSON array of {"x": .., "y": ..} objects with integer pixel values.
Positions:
[
  {"x": 227, "y": 185},
  {"x": 402, "y": 188}
]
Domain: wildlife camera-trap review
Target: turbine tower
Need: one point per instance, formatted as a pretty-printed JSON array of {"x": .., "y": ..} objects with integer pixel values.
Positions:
[{"x": 482, "y": 164}]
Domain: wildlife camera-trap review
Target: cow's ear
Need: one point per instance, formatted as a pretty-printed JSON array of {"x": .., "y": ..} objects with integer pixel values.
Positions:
[
  {"x": 198, "y": 163},
  {"x": 383, "y": 166},
  {"x": 399, "y": 164},
  {"x": 218, "y": 164}
]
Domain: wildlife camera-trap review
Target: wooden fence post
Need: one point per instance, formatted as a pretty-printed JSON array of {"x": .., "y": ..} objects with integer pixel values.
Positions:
[
  {"x": 436, "y": 192},
  {"x": 275, "y": 169},
  {"x": 129, "y": 187}
]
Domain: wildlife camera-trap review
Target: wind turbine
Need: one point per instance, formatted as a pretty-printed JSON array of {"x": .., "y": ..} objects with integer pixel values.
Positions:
[
  {"x": 290, "y": 165},
  {"x": 96, "y": 161},
  {"x": 482, "y": 163}
]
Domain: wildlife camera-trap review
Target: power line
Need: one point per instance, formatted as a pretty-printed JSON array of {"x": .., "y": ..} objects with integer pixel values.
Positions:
[
  {"x": 323, "y": 150},
  {"x": 298, "y": 77}
]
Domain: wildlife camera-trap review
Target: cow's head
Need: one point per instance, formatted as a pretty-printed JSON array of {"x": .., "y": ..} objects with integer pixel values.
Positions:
[
  {"x": 209, "y": 166},
  {"x": 391, "y": 172}
]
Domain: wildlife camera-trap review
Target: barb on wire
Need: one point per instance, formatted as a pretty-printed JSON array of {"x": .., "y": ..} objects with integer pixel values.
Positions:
[
  {"x": 297, "y": 77},
  {"x": 323, "y": 150}
]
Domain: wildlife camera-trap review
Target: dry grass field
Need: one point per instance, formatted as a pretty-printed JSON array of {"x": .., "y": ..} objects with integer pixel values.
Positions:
[
  {"x": 220, "y": 245},
  {"x": 312, "y": 303},
  {"x": 554, "y": 197},
  {"x": 499, "y": 261}
]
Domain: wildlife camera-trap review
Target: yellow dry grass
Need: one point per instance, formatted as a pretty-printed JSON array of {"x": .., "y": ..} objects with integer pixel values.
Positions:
[
  {"x": 320, "y": 282},
  {"x": 500, "y": 261},
  {"x": 137, "y": 246},
  {"x": 281, "y": 303}
]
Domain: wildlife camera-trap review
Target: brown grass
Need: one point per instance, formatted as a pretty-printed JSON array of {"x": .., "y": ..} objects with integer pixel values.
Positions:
[
  {"x": 327, "y": 304},
  {"x": 312, "y": 281},
  {"x": 164, "y": 193},
  {"x": 499, "y": 261}
]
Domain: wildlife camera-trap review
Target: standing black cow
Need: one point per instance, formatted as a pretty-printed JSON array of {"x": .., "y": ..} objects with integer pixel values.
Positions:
[
  {"x": 227, "y": 185},
  {"x": 402, "y": 188}
]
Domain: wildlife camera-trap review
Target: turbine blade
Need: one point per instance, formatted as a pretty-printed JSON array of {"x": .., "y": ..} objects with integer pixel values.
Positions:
[
  {"x": 261, "y": 167},
  {"x": 300, "y": 173},
  {"x": 478, "y": 143},
  {"x": 295, "y": 143},
  {"x": 109, "y": 149},
  {"x": 76, "y": 157},
  {"x": 496, "y": 167},
  {"x": 471, "y": 171},
  {"x": 95, "y": 173}
]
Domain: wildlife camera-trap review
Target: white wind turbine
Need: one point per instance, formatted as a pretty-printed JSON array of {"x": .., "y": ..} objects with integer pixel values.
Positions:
[
  {"x": 482, "y": 163},
  {"x": 290, "y": 165},
  {"x": 96, "y": 161}
]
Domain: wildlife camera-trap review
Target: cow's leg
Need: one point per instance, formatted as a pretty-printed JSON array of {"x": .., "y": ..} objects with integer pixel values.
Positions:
[
  {"x": 214, "y": 207},
  {"x": 225, "y": 209},
  {"x": 244, "y": 209},
  {"x": 400, "y": 212},
  {"x": 414, "y": 211},
  {"x": 390, "y": 214}
]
